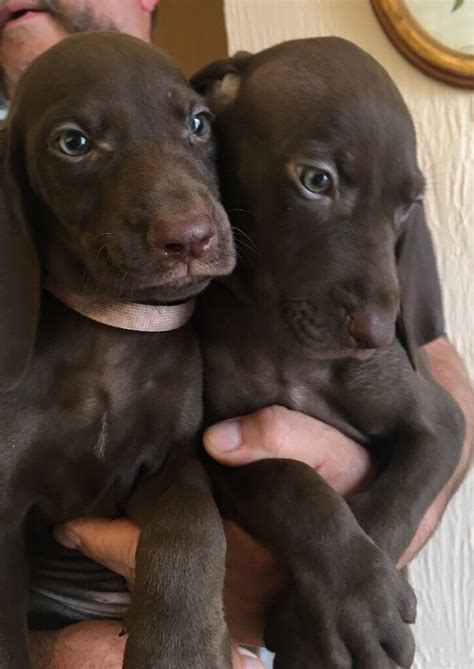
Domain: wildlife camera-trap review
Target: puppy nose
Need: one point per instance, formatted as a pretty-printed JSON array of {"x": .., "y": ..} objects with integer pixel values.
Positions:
[
  {"x": 182, "y": 238},
  {"x": 371, "y": 329}
]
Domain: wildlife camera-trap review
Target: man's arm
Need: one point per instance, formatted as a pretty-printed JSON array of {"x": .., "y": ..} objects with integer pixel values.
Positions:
[
  {"x": 71, "y": 647},
  {"x": 95, "y": 644}
]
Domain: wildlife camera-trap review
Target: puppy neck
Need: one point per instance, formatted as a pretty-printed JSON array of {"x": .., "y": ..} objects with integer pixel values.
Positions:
[{"x": 124, "y": 315}]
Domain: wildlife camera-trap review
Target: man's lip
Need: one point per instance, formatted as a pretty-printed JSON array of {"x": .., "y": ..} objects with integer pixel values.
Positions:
[{"x": 11, "y": 8}]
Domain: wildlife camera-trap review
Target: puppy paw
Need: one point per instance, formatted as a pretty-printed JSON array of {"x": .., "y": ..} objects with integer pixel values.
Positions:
[{"x": 355, "y": 612}]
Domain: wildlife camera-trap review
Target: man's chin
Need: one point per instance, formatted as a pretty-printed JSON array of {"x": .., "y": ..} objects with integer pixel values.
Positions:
[{"x": 22, "y": 41}]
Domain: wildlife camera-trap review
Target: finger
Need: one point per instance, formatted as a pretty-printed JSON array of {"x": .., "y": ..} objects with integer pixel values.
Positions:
[
  {"x": 112, "y": 543},
  {"x": 244, "y": 659},
  {"x": 267, "y": 433},
  {"x": 276, "y": 432}
]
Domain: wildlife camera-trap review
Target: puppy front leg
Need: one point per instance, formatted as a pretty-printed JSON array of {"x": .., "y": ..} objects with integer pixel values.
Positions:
[
  {"x": 13, "y": 598},
  {"x": 345, "y": 603},
  {"x": 176, "y": 615},
  {"x": 424, "y": 454}
]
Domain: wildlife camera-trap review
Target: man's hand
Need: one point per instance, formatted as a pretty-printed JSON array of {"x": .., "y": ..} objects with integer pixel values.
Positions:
[
  {"x": 86, "y": 645},
  {"x": 276, "y": 432},
  {"x": 113, "y": 543}
]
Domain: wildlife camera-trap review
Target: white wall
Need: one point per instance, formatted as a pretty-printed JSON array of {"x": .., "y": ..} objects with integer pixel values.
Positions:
[{"x": 443, "y": 575}]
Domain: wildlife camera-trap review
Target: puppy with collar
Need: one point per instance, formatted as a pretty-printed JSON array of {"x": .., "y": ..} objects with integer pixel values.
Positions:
[{"x": 110, "y": 226}]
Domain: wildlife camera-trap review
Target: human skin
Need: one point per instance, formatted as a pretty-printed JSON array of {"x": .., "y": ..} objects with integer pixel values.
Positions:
[
  {"x": 253, "y": 575},
  {"x": 71, "y": 647},
  {"x": 22, "y": 41}
]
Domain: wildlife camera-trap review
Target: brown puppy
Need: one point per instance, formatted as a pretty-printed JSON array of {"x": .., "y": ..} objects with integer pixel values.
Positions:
[
  {"x": 318, "y": 157},
  {"x": 109, "y": 196}
]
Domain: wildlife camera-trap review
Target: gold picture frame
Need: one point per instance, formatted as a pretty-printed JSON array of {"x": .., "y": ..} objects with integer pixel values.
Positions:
[{"x": 422, "y": 49}]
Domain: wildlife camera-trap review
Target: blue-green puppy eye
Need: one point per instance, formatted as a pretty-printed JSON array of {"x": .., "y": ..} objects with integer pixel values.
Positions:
[
  {"x": 315, "y": 180},
  {"x": 72, "y": 143},
  {"x": 199, "y": 124}
]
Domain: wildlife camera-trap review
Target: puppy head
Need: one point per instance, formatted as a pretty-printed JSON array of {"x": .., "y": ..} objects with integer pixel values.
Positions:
[
  {"x": 108, "y": 185},
  {"x": 324, "y": 156},
  {"x": 118, "y": 153}
]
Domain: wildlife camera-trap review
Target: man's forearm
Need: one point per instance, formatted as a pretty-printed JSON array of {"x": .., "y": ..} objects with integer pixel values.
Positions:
[
  {"x": 41, "y": 648},
  {"x": 449, "y": 371},
  {"x": 86, "y": 645}
]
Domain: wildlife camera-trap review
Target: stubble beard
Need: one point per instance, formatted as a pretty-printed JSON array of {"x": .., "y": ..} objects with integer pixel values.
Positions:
[{"x": 72, "y": 20}]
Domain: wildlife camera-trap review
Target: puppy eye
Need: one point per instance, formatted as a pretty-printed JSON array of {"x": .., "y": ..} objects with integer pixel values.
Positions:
[
  {"x": 72, "y": 143},
  {"x": 315, "y": 180},
  {"x": 199, "y": 124}
]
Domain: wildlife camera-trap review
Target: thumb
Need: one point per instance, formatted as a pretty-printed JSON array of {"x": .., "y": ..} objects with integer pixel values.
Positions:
[
  {"x": 112, "y": 543},
  {"x": 277, "y": 432},
  {"x": 272, "y": 432}
]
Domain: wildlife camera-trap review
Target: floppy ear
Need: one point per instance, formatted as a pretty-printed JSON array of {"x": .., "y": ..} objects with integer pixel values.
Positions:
[
  {"x": 421, "y": 313},
  {"x": 19, "y": 269},
  {"x": 219, "y": 82}
]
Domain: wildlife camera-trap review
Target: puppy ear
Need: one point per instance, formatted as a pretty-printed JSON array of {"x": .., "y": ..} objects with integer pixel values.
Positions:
[
  {"x": 19, "y": 269},
  {"x": 421, "y": 312},
  {"x": 219, "y": 82}
]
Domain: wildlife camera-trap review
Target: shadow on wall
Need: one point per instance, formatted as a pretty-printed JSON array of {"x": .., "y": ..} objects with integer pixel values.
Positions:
[{"x": 192, "y": 32}]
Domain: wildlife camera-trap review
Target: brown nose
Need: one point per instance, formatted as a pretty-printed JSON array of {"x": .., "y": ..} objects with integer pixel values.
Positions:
[
  {"x": 182, "y": 238},
  {"x": 370, "y": 328}
]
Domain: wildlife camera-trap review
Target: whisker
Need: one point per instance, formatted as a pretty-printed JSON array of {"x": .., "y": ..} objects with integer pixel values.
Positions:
[
  {"x": 107, "y": 267},
  {"x": 133, "y": 288},
  {"x": 122, "y": 279},
  {"x": 245, "y": 246},
  {"x": 238, "y": 231},
  {"x": 242, "y": 235},
  {"x": 241, "y": 247},
  {"x": 104, "y": 234},
  {"x": 242, "y": 211},
  {"x": 241, "y": 253},
  {"x": 85, "y": 278}
]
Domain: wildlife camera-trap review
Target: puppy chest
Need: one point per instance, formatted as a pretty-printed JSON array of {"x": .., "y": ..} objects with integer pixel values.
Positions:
[
  {"x": 240, "y": 380},
  {"x": 91, "y": 432}
]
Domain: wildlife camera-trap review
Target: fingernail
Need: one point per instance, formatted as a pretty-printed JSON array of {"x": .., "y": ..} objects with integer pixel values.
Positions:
[
  {"x": 225, "y": 436},
  {"x": 249, "y": 660},
  {"x": 66, "y": 537}
]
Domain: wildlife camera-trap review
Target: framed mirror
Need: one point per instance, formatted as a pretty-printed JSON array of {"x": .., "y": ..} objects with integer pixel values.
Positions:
[{"x": 436, "y": 35}]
